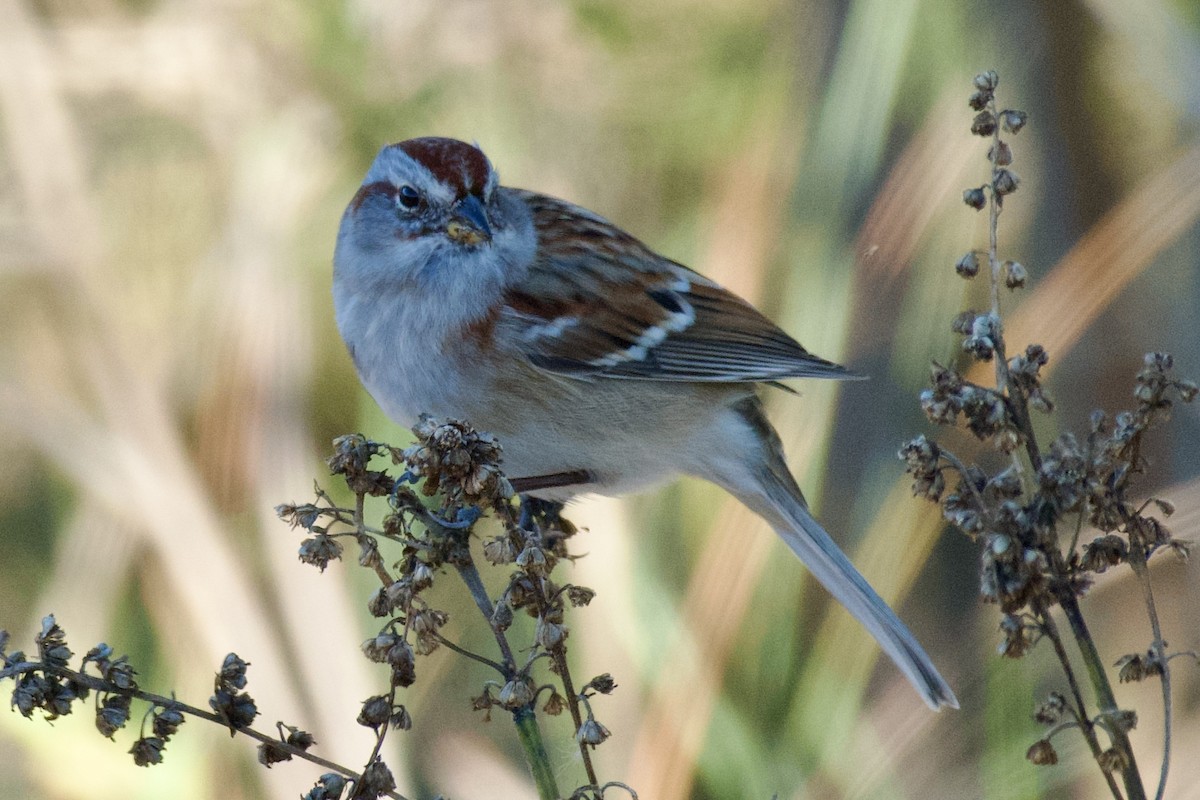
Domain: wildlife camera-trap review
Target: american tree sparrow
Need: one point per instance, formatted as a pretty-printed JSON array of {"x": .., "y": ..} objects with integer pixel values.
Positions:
[{"x": 600, "y": 365}]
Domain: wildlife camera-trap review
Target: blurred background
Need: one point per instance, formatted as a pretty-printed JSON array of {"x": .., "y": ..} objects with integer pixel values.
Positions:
[{"x": 171, "y": 180}]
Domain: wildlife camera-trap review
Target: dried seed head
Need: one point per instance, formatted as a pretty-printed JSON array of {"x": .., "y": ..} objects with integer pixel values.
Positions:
[
  {"x": 549, "y": 634},
  {"x": 299, "y": 738},
  {"x": 499, "y": 550},
  {"x": 975, "y": 198},
  {"x": 429, "y": 620},
  {"x": 238, "y": 709},
  {"x": 984, "y": 124},
  {"x": 987, "y": 81},
  {"x": 1112, "y": 760},
  {"x": 1014, "y": 275},
  {"x": 1042, "y": 753},
  {"x": 555, "y": 704},
  {"x": 1138, "y": 666},
  {"x": 272, "y": 753},
  {"x": 147, "y": 751},
  {"x": 329, "y": 786},
  {"x": 923, "y": 461},
  {"x": 401, "y": 720},
  {"x": 1051, "y": 711},
  {"x": 968, "y": 265},
  {"x": 534, "y": 561},
  {"x": 604, "y": 684},
  {"x": 404, "y": 663},
  {"x": 592, "y": 733},
  {"x": 52, "y": 643},
  {"x": 1104, "y": 552},
  {"x": 378, "y": 603},
  {"x": 580, "y": 596},
  {"x": 376, "y": 780},
  {"x": 515, "y": 694},
  {"x": 375, "y": 712},
  {"x": 110, "y": 717},
  {"x": 378, "y": 647},
  {"x": 964, "y": 321},
  {"x": 1017, "y": 641},
  {"x": 1124, "y": 719},
  {"x": 167, "y": 722},
  {"x": 502, "y": 617},
  {"x": 456, "y": 459},
  {"x": 982, "y": 341},
  {"x": 421, "y": 576},
  {"x": 1013, "y": 120},
  {"x": 1004, "y": 181},
  {"x": 320, "y": 550},
  {"x": 1001, "y": 155}
]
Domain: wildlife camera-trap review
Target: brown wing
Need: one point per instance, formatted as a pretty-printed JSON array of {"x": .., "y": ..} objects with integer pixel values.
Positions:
[{"x": 599, "y": 302}]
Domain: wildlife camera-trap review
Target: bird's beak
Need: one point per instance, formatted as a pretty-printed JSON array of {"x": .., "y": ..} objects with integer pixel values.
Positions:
[{"x": 468, "y": 222}]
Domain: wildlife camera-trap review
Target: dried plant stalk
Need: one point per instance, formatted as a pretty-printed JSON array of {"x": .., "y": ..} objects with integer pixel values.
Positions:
[{"x": 1028, "y": 515}]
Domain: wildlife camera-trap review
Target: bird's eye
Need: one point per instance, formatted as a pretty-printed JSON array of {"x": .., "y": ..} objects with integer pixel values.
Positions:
[{"x": 408, "y": 197}]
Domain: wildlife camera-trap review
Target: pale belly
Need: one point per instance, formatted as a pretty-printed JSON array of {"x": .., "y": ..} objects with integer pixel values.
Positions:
[{"x": 627, "y": 434}]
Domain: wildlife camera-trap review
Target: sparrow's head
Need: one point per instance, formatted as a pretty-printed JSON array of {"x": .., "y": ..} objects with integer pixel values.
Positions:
[{"x": 427, "y": 206}]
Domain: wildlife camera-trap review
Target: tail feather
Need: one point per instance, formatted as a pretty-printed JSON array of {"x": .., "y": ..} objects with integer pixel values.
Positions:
[
  {"x": 808, "y": 540},
  {"x": 764, "y": 484}
]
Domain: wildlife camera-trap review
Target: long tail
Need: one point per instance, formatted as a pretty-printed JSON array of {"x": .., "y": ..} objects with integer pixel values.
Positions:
[{"x": 771, "y": 492}]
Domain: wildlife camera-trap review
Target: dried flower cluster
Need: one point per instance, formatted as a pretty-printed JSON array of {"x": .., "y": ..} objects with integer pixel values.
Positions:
[
  {"x": 1029, "y": 515},
  {"x": 48, "y": 684},
  {"x": 460, "y": 466}
]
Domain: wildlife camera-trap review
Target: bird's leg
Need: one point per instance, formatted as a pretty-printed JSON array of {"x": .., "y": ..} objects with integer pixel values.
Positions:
[
  {"x": 535, "y": 508},
  {"x": 554, "y": 480}
]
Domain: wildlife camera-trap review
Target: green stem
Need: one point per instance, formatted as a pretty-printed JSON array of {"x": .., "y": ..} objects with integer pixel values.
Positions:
[
  {"x": 1105, "y": 698},
  {"x": 1086, "y": 726},
  {"x": 535, "y": 753},
  {"x": 559, "y": 654}
]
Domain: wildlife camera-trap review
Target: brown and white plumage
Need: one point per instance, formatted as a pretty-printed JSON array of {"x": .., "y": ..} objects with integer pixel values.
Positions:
[
  {"x": 597, "y": 302},
  {"x": 586, "y": 353}
]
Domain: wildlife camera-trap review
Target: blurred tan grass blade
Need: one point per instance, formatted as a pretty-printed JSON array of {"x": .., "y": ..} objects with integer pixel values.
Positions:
[
  {"x": 675, "y": 723},
  {"x": 465, "y": 764},
  {"x": 611, "y": 641},
  {"x": 746, "y": 220},
  {"x": 925, "y": 176},
  {"x": 133, "y": 438},
  {"x": 265, "y": 322},
  {"x": 38, "y": 131},
  {"x": 1118, "y": 248},
  {"x": 93, "y": 557},
  {"x": 718, "y": 596}
]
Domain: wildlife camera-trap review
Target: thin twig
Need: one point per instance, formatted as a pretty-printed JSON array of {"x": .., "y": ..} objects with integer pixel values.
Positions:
[
  {"x": 564, "y": 672},
  {"x": 470, "y": 576},
  {"x": 1137, "y": 561},
  {"x": 99, "y": 685},
  {"x": 462, "y": 651}
]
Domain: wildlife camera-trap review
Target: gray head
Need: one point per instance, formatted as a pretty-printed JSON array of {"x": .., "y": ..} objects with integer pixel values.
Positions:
[{"x": 429, "y": 206}]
